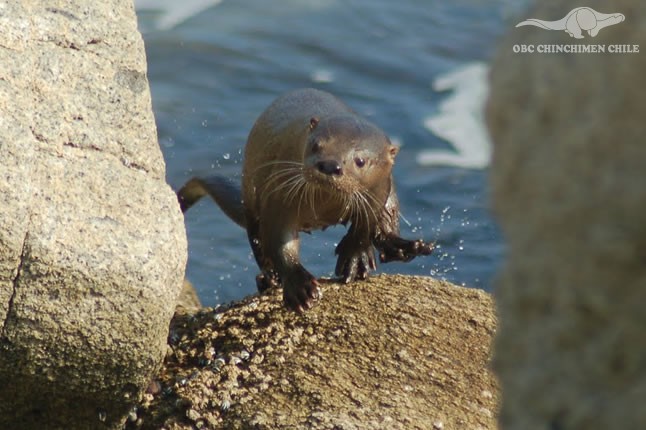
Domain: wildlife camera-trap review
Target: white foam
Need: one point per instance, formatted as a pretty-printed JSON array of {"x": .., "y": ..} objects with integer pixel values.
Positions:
[
  {"x": 174, "y": 12},
  {"x": 322, "y": 76},
  {"x": 460, "y": 119}
]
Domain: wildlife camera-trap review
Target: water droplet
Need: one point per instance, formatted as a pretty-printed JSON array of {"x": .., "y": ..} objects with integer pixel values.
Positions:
[{"x": 226, "y": 156}]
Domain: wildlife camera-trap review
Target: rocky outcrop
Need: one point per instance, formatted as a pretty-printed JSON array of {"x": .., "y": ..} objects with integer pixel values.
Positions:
[
  {"x": 92, "y": 245},
  {"x": 188, "y": 300},
  {"x": 392, "y": 352},
  {"x": 569, "y": 179}
]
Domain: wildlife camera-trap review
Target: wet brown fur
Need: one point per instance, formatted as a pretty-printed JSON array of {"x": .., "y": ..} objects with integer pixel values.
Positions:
[{"x": 311, "y": 162}]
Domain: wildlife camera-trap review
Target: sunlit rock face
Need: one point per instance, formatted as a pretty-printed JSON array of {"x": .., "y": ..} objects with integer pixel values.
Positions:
[{"x": 92, "y": 244}]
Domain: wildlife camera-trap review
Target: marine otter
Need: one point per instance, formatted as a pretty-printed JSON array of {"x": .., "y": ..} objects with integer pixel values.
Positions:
[{"x": 311, "y": 162}]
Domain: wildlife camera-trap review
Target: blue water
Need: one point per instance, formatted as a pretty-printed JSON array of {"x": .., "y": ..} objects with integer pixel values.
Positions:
[{"x": 214, "y": 73}]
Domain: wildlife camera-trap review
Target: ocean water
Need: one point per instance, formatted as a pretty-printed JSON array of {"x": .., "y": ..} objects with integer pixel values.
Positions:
[{"x": 416, "y": 68}]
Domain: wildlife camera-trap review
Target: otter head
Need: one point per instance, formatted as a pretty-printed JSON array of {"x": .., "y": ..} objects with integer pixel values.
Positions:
[{"x": 350, "y": 154}]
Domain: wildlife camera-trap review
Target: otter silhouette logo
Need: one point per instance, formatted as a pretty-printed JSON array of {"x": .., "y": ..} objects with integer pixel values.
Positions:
[{"x": 578, "y": 20}]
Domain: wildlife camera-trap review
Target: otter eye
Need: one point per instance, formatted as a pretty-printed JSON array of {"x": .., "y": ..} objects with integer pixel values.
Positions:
[{"x": 360, "y": 162}]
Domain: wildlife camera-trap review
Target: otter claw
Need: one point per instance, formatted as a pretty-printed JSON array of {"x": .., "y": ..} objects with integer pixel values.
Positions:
[
  {"x": 356, "y": 265},
  {"x": 300, "y": 290}
]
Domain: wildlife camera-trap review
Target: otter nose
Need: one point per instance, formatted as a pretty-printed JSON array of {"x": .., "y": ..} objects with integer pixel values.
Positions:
[{"x": 329, "y": 167}]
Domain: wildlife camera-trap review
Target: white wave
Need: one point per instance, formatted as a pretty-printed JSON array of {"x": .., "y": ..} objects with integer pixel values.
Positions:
[
  {"x": 174, "y": 12},
  {"x": 460, "y": 119},
  {"x": 322, "y": 76}
]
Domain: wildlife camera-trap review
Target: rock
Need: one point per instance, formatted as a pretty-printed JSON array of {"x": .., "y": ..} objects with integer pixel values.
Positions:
[
  {"x": 568, "y": 180},
  {"x": 92, "y": 242},
  {"x": 393, "y": 352},
  {"x": 188, "y": 300}
]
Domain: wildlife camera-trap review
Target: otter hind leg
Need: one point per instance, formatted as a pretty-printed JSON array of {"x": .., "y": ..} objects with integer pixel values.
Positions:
[{"x": 267, "y": 278}]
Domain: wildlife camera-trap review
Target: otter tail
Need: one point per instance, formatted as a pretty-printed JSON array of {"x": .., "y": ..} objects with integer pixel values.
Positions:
[
  {"x": 224, "y": 191},
  {"x": 547, "y": 25}
]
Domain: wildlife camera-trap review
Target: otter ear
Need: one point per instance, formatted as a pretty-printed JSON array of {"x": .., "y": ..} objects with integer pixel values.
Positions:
[
  {"x": 392, "y": 152},
  {"x": 314, "y": 121}
]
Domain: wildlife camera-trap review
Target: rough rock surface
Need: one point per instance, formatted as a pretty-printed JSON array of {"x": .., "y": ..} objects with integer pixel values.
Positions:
[
  {"x": 188, "y": 300},
  {"x": 92, "y": 244},
  {"x": 392, "y": 352},
  {"x": 569, "y": 186}
]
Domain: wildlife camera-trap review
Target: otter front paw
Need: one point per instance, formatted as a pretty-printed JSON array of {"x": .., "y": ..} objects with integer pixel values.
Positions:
[
  {"x": 300, "y": 289},
  {"x": 355, "y": 261},
  {"x": 394, "y": 248}
]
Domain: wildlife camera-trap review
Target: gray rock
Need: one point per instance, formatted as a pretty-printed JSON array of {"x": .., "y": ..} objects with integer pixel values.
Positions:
[
  {"x": 569, "y": 187},
  {"x": 92, "y": 243}
]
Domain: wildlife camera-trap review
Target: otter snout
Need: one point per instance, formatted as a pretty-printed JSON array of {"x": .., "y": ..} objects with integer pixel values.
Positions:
[{"x": 329, "y": 167}]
